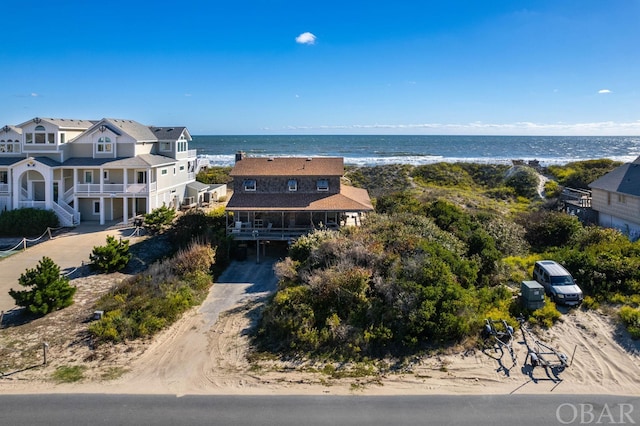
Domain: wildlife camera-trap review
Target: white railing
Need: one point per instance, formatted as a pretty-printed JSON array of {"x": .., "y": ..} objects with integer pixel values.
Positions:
[
  {"x": 191, "y": 176},
  {"x": 68, "y": 195},
  {"x": 24, "y": 193},
  {"x": 114, "y": 188},
  {"x": 66, "y": 218},
  {"x": 192, "y": 153},
  {"x": 4, "y": 187}
]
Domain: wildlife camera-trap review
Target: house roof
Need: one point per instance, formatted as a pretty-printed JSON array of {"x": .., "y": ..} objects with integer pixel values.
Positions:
[
  {"x": 142, "y": 160},
  {"x": 349, "y": 199},
  {"x": 289, "y": 166},
  {"x": 9, "y": 128},
  {"x": 198, "y": 186},
  {"x": 9, "y": 161},
  {"x": 64, "y": 123},
  {"x": 624, "y": 179},
  {"x": 138, "y": 131},
  {"x": 169, "y": 133}
]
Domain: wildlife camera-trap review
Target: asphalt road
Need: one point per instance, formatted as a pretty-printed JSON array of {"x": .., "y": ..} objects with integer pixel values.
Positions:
[{"x": 86, "y": 409}]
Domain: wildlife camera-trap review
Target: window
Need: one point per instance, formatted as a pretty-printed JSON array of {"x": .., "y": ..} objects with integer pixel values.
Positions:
[
  {"x": 63, "y": 137},
  {"x": 622, "y": 199},
  {"x": 96, "y": 207},
  {"x": 292, "y": 185},
  {"x": 4, "y": 176},
  {"x": 323, "y": 185},
  {"x": 51, "y": 137},
  {"x": 182, "y": 146},
  {"x": 105, "y": 175},
  {"x": 174, "y": 170},
  {"x": 250, "y": 185},
  {"x": 165, "y": 146},
  {"x": 88, "y": 176},
  {"x": 182, "y": 168},
  {"x": 104, "y": 145},
  {"x": 163, "y": 172}
]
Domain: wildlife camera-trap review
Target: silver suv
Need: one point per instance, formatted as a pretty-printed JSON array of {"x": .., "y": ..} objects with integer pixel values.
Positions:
[{"x": 557, "y": 282}]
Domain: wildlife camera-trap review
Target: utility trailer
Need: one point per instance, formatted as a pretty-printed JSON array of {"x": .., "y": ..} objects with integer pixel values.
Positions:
[
  {"x": 542, "y": 354},
  {"x": 501, "y": 333}
]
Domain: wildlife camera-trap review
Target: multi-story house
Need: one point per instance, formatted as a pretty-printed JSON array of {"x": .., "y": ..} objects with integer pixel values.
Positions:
[
  {"x": 284, "y": 197},
  {"x": 95, "y": 170},
  {"x": 616, "y": 198}
]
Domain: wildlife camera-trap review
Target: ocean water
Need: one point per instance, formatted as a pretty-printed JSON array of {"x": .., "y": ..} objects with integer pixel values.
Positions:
[{"x": 366, "y": 150}]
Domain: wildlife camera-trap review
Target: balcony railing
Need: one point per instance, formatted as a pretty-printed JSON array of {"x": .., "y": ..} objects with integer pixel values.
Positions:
[
  {"x": 4, "y": 187},
  {"x": 115, "y": 188},
  {"x": 23, "y": 204}
]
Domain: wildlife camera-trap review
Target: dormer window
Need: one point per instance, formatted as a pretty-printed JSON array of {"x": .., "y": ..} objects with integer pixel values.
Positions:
[
  {"x": 250, "y": 185},
  {"x": 323, "y": 185},
  {"x": 182, "y": 146},
  {"x": 104, "y": 145},
  {"x": 292, "y": 185}
]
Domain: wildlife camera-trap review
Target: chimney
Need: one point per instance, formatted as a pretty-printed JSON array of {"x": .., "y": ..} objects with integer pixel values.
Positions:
[{"x": 239, "y": 156}]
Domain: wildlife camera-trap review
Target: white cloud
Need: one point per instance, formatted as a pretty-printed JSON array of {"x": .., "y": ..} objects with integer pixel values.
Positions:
[
  {"x": 306, "y": 38},
  {"x": 34, "y": 95},
  {"x": 604, "y": 91}
]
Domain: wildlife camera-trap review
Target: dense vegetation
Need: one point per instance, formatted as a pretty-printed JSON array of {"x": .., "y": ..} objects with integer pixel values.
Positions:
[
  {"x": 146, "y": 303},
  {"x": 214, "y": 175},
  {"x": 46, "y": 290},
  {"x": 438, "y": 257},
  {"x": 580, "y": 174},
  {"x": 143, "y": 305},
  {"x": 27, "y": 222}
]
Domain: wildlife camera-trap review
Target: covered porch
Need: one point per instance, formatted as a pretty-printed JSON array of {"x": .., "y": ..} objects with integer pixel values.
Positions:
[{"x": 285, "y": 224}]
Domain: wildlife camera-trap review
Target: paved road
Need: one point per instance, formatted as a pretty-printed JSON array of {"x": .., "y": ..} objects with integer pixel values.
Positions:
[
  {"x": 73, "y": 409},
  {"x": 68, "y": 251}
]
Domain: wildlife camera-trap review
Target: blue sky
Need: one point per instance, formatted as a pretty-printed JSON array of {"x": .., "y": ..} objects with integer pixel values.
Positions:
[{"x": 510, "y": 67}]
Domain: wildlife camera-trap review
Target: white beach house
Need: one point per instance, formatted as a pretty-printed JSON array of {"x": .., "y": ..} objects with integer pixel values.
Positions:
[{"x": 96, "y": 170}]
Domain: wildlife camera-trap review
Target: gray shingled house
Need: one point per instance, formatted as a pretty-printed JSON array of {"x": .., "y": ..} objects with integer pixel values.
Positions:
[
  {"x": 616, "y": 198},
  {"x": 284, "y": 197}
]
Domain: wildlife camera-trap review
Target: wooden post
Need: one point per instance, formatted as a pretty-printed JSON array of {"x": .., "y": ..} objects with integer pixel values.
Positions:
[
  {"x": 1, "y": 315},
  {"x": 24, "y": 244},
  {"x": 49, "y": 231},
  {"x": 45, "y": 346}
]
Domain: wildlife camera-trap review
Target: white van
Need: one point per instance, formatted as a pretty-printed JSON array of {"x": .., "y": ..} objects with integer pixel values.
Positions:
[{"x": 557, "y": 282}]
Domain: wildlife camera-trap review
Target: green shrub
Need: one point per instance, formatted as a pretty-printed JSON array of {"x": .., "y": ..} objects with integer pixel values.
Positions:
[
  {"x": 552, "y": 189},
  {"x": 27, "y": 222},
  {"x": 47, "y": 290},
  {"x": 524, "y": 181},
  {"x": 145, "y": 304},
  {"x": 547, "y": 229},
  {"x": 590, "y": 303},
  {"x": 214, "y": 175},
  {"x": 159, "y": 219},
  {"x": 545, "y": 316},
  {"x": 581, "y": 173},
  {"x": 114, "y": 256},
  {"x": 631, "y": 319}
]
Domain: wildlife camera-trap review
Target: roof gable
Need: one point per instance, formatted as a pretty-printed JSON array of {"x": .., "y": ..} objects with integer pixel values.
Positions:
[
  {"x": 289, "y": 166},
  {"x": 624, "y": 179}
]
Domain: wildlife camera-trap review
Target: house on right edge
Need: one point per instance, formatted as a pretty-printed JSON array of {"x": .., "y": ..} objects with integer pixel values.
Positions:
[{"x": 616, "y": 198}]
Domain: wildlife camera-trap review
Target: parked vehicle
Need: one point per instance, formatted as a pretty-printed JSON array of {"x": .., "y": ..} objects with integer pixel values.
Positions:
[{"x": 557, "y": 282}]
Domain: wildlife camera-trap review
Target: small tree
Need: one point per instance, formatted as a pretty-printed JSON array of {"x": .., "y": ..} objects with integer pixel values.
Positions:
[
  {"x": 112, "y": 257},
  {"x": 159, "y": 218},
  {"x": 47, "y": 289}
]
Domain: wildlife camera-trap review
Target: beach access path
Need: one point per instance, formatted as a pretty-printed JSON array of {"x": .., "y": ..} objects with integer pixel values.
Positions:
[{"x": 68, "y": 250}]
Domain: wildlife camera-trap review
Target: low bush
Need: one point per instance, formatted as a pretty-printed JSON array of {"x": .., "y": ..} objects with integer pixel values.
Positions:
[
  {"x": 27, "y": 222},
  {"x": 631, "y": 319},
  {"x": 114, "y": 256},
  {"x": 545, "y": 316},
  {"x": 47, "y": 290},
  {"x": 145, "y": 304},
  {"x": 159, "y": 219}
]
